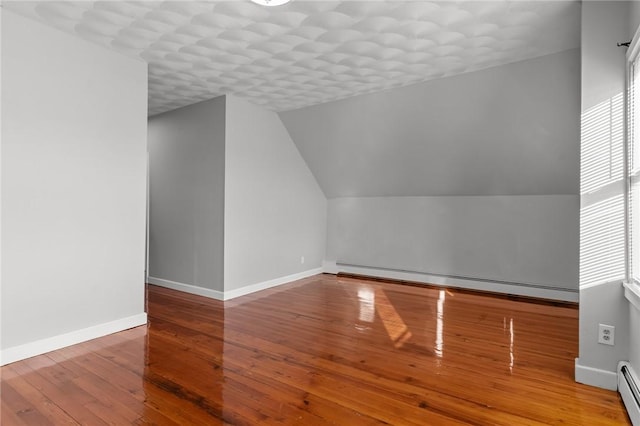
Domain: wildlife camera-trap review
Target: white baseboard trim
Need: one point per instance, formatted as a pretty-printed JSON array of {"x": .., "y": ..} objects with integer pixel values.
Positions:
[
  {"x": 232, "y": 294},
  {"x": 242, "y": 291},
  {"x": 604, "y": 379},
  {"x": 49, "y": 344},
  {"x": 187, "y": 288},
  {"x": 468, "y": 283}
]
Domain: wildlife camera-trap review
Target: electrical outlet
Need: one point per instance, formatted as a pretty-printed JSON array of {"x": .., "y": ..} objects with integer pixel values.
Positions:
[
  {"x": 302, "y": 260},
  {"x": 606, "y": 334}
]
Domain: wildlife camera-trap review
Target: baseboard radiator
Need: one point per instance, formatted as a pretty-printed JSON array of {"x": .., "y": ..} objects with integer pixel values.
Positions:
[{"x": 628, "y": 388}]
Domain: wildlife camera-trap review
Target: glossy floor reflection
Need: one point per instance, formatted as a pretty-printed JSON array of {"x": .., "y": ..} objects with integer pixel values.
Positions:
[{"x": 323, "y": 350}]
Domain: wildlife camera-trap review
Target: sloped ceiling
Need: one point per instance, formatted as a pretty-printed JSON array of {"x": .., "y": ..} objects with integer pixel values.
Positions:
[
  {"x": 508, "y": 130},
  {"x": 309, "y": 52}
]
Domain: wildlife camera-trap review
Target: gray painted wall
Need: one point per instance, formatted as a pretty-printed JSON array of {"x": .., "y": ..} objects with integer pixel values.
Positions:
[
  {"x": 275, "y": 212},
  {"x": 634, "y": 17},
  {"x": 186, "y": 194},
  {"x": 73, "y": 185},
  {"x": 508, "y": 130},
  {"x": 522, "y": 239},
  {"x": 603, "y": 79},
  {"x": 634, "y": 340},
  {"x": 475, "y": 175}
]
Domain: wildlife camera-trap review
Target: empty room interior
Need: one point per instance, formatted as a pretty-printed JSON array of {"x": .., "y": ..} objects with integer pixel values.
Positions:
[{"x": 320, "y": 212}]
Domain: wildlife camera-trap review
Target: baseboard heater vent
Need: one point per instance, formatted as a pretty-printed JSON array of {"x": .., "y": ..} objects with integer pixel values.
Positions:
[
  {"x": 628, "y": 388},
  {"x": 350, "y": 266}
]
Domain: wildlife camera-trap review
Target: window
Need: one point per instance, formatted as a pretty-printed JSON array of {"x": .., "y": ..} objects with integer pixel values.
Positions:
[{"x": 633, "y": 162}]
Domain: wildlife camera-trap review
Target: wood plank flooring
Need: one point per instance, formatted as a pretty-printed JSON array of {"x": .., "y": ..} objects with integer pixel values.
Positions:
[{"x": 323, "y": 350}]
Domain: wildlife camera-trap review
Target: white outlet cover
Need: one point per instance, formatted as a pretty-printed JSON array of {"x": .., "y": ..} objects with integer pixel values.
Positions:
[{"x": 606, "y": 334}]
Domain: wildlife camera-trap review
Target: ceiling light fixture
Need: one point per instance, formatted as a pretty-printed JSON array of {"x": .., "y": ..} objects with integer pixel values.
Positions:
[{"x": 271, "y": 2}]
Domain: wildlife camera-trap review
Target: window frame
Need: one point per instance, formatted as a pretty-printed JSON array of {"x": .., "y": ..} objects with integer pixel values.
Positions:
[{"x": 631, "y": 170}]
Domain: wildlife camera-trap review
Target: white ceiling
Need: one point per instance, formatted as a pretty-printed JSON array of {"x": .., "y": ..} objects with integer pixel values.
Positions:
[{"x": 309, "y": 52}]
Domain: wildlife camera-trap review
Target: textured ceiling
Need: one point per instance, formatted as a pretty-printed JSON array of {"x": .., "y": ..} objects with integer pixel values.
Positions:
[{"x": 309, "y": 52}]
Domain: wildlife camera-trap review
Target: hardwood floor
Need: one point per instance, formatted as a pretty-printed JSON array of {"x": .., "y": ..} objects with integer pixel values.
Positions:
[{"x": 323, "y": 350}]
